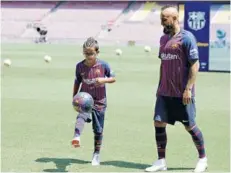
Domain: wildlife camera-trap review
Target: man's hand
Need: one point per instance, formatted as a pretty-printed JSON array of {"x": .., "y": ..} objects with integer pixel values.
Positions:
[{"x": 187, "y": 95}]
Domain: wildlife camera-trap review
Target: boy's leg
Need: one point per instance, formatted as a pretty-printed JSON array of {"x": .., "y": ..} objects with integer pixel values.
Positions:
[
  {"x": 97, "y": 124},
  {"x": 79, "y": 126}
]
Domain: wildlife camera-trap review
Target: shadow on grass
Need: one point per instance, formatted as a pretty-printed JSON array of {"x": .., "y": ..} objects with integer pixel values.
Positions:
[{"x": 62, "y": 163}]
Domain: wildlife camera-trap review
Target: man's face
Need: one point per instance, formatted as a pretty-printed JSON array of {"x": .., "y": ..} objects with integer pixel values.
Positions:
[
  {"x": 90, "y": 54},
  {"x": 167, "y": 22}
]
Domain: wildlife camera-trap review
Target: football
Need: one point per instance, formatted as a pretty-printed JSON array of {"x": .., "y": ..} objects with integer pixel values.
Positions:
[
  {"x": 118, "y": 52},
  {"x": 7, "y": 62},
  {"x": 147, "y": 49},
  {"x": 47, "y": 58},
  {"x": 83, "y": 102}
]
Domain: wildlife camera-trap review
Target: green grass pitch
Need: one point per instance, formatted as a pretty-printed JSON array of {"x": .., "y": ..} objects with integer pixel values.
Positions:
[{"x": 38, "y": 118}]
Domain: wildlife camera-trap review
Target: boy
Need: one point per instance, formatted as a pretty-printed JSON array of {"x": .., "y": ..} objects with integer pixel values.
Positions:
[{"x": 93, "y": 74}]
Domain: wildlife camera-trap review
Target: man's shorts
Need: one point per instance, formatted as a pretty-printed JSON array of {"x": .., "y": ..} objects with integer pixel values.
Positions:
[{"x": 172, "y": 109}]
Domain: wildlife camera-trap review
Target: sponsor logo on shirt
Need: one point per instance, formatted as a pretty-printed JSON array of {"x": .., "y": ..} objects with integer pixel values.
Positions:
[
  {"x": 89, "y": 81},
  {"x": 168, "y": 56}
]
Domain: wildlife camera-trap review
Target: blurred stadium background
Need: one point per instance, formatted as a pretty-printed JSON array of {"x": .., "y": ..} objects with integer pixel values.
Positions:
[
  {"x": 112, "y": 22},
  {"x": 37, "y": 118}
]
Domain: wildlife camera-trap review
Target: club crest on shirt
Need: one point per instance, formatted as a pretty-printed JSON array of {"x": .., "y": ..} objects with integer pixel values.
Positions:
[
  {"x": 97, "y": 71},
  {"x": 82, "y": 74},
  {"x": 174, "y": 46}
]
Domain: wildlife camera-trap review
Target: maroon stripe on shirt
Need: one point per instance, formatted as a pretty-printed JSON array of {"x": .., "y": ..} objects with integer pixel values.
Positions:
[
  {"x": 89, "y": 75},
  {"x": 180, "y": 78},
  {"x": 169, "y": 88},
  {"x": 162, "y": 80},
  {"x": 174, "y": 72}
]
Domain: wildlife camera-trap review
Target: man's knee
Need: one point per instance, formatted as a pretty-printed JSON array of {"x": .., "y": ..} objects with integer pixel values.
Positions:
[{"x": 159, "y": 124}]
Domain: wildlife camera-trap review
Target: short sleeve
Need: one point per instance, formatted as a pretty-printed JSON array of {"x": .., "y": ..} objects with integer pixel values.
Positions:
[
  {"x": 190, "y": 47},
  {"x": 108, "y": 71},
  {"x": 78, "y": 78}
]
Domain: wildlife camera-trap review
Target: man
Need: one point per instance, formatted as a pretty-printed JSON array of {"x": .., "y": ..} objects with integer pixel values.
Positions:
[
  {"x": 93, "y": 74},
  {"x": 42, "y": 31},
  {"x": 175, "y": 94}
]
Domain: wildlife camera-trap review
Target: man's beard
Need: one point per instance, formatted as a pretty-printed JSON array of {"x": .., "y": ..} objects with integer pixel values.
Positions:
[{"x": 168, "y": 29}]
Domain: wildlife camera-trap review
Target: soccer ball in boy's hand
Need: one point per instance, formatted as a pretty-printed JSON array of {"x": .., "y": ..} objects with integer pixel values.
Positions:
[{"x": 83, "y": 102}]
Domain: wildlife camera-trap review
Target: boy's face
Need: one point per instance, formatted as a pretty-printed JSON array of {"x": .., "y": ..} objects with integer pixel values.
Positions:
[{"x": 90, "y": 54}]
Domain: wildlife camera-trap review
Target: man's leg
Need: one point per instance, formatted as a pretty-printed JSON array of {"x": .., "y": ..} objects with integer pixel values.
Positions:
[
  {"x": 160, "y": 121},
  {"x": 196, "y": 134},
  {"x": 198, "y": 140},
  {"x": 161, "y": 138},
  {"x": 161, "y": 142}
]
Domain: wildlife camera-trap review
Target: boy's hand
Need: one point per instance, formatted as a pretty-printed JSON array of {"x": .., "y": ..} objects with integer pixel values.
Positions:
[{"x": 100, "y": 81}]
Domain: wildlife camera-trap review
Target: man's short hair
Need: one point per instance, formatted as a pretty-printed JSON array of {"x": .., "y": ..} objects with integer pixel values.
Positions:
[{"x": 169, "y": 6}]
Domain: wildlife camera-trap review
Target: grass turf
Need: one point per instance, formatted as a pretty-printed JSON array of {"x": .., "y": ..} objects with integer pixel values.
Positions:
[{"x": 38, "y": 119}]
